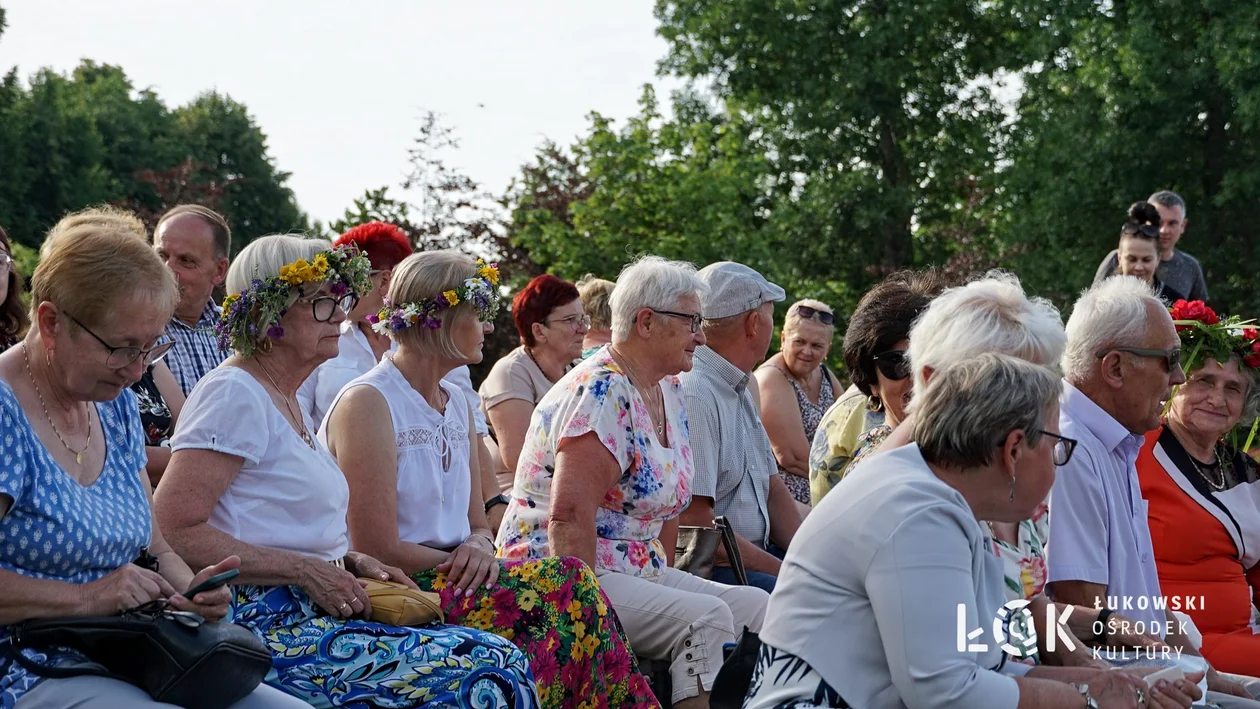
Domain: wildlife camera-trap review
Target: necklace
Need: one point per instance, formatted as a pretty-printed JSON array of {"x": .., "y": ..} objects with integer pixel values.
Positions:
[
  {"x": 530, "y": 352},
  {"x": 78, "y": 454},
  {"x": 306, "y": 436},
  {"x": 1217, "y": 482},
  {"x": 657, "y": 415}
]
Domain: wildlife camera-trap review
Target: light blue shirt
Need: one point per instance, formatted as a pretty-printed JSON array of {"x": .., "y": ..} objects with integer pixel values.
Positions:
[{"x": 1098, "y": 524}]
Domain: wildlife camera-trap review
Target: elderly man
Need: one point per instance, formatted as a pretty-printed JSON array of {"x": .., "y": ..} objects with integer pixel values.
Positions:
[
  {"x": 194, "y": 241},
  {"x": 1122, "y": 360},
  {"x": 1177, "y": 269},
  {"x": 736, "y": 473}
]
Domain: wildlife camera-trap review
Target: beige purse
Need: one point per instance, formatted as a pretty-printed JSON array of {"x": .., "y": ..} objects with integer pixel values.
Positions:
[{"x": 396, "y": 604}]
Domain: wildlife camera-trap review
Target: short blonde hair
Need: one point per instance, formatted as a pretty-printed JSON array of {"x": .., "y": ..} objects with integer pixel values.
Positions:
[
  {"x": 794, "y": 318},
  {"x": 596, "y": 296},
  {"x": 92, "y": 261},
  {"x": 105, "y": 216},
  {"x": 422, "y": 276},
  {"x": 262, "y": 259}
]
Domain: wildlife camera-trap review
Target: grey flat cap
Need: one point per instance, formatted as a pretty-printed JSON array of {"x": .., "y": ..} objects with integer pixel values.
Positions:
[{"x": 733, "y": 289}]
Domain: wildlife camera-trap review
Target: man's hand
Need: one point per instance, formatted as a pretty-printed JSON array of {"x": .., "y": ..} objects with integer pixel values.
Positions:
[{"x": 1217, "y": 683}]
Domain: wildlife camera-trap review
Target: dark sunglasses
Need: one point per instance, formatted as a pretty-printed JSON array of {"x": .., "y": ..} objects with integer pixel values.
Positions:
[
  {"x": 1171, "y": 357},
  {"x": 1133, "y": 228},
  {"x": 893, "y": 364},
  {"x": 809, "y": 313}
]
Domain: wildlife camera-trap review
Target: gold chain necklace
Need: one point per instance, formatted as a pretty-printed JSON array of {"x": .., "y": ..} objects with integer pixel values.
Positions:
[
  {"x": 78, "y": 454},
  {"x": 306, "y": 436}
]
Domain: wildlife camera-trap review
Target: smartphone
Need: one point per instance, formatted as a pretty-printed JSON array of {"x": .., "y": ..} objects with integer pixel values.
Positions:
[{"x": 212, "y": 583}]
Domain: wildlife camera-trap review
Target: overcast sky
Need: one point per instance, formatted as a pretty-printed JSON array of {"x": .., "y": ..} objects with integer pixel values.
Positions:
[{"x": 338, "y": 86}]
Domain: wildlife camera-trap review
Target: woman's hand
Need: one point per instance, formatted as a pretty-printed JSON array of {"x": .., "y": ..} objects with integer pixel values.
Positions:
[
  {"x": 470, "y": 565},
  {"x": 1121, "y": 686},
  {"x": 126, "y": 587},
  {"x": 364, "y": 566},
  {"x": 335, "y": 590},
  {"x": 1125, "y": 637},
  {"x": 213, "y": 604}
]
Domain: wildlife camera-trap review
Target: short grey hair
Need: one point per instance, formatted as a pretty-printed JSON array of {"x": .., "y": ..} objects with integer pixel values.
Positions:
[
  {"x": 1110, "y": 313},
  {"x": 991, "y": 314},
  {"x": 650, "y": 282},
  {"x": 265, "y": 256},
  {"x": 973, "y": 404},
  {"x": 1166, "y": 198}
]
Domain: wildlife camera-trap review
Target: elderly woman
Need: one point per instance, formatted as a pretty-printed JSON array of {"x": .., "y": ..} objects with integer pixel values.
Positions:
[
  {"x": 74, "y": 500},
  {"x": 596, "y": 295},
  {"x": 404, "y": 439},
  {"x": 796, "y": 389},
  {"x": 248, "y": 478},
  {"x": 552, "y": 324},
  {"x": 918, "y": 564},
  {"x": 1138, "y": 253},
  {"x": 875, "y": 355},
  {"x": 13, "y": 319},
  {"x": 607, "y": 468},
  {"x": 1204, "y": 493}
]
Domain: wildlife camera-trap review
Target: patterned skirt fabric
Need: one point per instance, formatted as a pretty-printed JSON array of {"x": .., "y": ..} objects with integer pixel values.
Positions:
[
  {"x": 782, "y": 680},
  {"x": 797, "y": 485},
  {"x": 329, "y": 662},
  {"x": 554, "y": 610}
]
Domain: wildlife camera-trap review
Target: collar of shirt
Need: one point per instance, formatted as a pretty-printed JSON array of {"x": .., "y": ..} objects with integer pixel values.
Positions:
[
  {"x": 209, "y": 318},
  {"x": 723, "y": 370},
  {"x": 1103, "y": 425}
]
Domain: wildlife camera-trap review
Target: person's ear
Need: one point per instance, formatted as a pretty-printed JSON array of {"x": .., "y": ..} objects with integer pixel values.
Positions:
[
  {"x": 927, "y": 373},
  {"x": 539, "y": 331},
  {"x": 386, "y": 276},
  {"x": 47, "y": 322},
  {"x": 1013, "y": 450},
  {"x": 220, "y": 272},
  {"x": 1112, "y": 369}
]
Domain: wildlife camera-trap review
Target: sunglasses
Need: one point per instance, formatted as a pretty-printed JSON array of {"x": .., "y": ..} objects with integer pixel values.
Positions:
[
  {"x": 893, "y": 364},
  {"x": 1171, "y": 357},
  {"x": 821, "y": 316},
  {"x": 1147, "y": 230}
]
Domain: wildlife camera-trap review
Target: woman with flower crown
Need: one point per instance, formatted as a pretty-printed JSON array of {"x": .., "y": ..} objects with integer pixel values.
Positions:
[
  {"x": 403, "y": 438},
  {"x": 247, "y": 477},
  {"x": 1203, "y": 491}
]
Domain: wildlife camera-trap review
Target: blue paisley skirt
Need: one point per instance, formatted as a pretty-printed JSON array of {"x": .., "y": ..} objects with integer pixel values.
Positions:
[{"x": 329, "y": 662}]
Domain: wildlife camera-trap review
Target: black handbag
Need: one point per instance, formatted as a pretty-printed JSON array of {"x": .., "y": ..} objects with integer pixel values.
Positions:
[
  {"x": 730, "y": 687},
  {"x": 697, "y": 547},
  {"x": 176, "y": 657}
]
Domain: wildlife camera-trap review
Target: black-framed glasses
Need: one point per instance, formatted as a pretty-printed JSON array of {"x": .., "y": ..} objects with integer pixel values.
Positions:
[
  {"x": 1171, "y": 357},
  {"x": 573, "y": 321},
  {"x": 696, "y": 319},
  {"x": 120, "y": 357},
  {"x": 1150, "y": 231},
  {"x": 1063, "y": 448},
  {"x": 822, "y": 316},
  {"x": 323, "y": 307},
  {"x": 893, "y": 364}
]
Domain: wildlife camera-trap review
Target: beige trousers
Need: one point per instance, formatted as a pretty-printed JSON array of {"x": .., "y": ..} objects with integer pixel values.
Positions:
[{"x": 684, "y": 619}]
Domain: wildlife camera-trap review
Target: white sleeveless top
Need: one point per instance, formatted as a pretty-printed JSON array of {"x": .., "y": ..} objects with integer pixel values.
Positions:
[{"x": 432, "y": 499}]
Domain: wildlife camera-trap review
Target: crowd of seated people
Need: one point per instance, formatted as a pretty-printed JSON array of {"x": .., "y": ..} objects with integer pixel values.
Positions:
[{"x": 319, "y": 426}]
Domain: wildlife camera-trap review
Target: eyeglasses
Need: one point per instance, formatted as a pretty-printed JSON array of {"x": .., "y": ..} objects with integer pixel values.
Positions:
[
  {"x": 573, "y": 321},
  {"x": 822, "y": 316},
  {"x": 696, "y": 319},
  {"x": 6, "y": 262},
  {"x": 893, "y": 364},
  {"x": 120, "y": 357},
  {"x": 1150, "y": 231},
  {"x": 324, "y": 307},
  {"x": 1063, "y": 447},
  {"x": 1171, "y": 357}
]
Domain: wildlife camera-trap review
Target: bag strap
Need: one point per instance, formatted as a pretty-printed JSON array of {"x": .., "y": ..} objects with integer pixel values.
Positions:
[
  {"x": 731, "y": 544},
  {"x": 13, "y": 653}
]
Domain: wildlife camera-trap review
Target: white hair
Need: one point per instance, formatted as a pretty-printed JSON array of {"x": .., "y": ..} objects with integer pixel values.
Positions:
[
  {"x": 265, "y": 256},
  {"x": 650, "y": 282},
  {"x": 1113, "y": 312},
  {"x": 991, "y": 314}
]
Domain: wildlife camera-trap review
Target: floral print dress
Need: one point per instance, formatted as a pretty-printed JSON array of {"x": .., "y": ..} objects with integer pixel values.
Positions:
[{"x": 655, "y": 485}]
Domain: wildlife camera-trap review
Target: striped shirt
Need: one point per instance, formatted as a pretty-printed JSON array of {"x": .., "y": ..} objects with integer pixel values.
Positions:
[
  {"x": 729, "y": 446},
  {"x": 196, "y": 349}
]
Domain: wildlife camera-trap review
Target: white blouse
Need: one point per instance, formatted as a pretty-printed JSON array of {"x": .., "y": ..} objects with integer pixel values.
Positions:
[{"x": 287, "y": 495}]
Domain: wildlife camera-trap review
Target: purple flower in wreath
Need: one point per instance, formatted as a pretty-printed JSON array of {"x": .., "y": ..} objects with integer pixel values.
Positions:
[
  {"x": 275, "y": 332},
  {"x": 398, "y": 323},
  {"x": 339, "y": 288}
]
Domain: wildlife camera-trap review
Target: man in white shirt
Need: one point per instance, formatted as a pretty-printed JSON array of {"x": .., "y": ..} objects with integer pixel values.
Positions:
[{"x": 1122, "y": 360}]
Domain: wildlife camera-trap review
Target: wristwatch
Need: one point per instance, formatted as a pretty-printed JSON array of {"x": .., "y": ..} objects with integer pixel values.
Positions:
[
  {"x": 499, "y": 499},
  {"x": 1103, "y": 616},
  {"x": 1090, "y": 702}
]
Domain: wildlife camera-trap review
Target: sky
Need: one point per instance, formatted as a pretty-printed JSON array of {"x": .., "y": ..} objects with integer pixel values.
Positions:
[{"x": 339, "y": 87}]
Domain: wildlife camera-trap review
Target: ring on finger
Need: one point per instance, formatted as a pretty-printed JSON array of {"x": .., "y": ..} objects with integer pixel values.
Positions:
[{"x": 1141, "y": 696}]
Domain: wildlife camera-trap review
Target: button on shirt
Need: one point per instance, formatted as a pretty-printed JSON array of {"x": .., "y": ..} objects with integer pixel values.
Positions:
[
  {"x": 1098, "y": 525},
  {"x": 729, "y": 446},
  {"x": 196, "y": 350}
]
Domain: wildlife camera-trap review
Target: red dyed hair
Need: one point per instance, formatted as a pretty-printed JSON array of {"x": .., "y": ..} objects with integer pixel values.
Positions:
[
  {"x": 384, "y": 244},
  {"x": 536, "y": 301}
]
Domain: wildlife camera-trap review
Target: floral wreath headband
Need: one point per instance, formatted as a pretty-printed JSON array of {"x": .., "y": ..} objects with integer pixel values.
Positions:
[
  {"x": 253, "y": 315},
  {"x": 1204, "y": 334},
  {"x": 482, "y": 290}
]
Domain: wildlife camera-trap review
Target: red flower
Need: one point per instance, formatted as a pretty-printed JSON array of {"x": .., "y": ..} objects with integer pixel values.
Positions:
[
  {"x": 1250, "y": 334},
  {"x": 1194, "y": 310},
  {"x": 1253, "y": 360}
]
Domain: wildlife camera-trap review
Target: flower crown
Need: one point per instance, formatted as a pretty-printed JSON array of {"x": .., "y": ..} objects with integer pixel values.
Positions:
[
  {"x": 480, "y": 290},
  {"x": 249, "y": 316},
  {"x": 1204, "y": 334}
]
